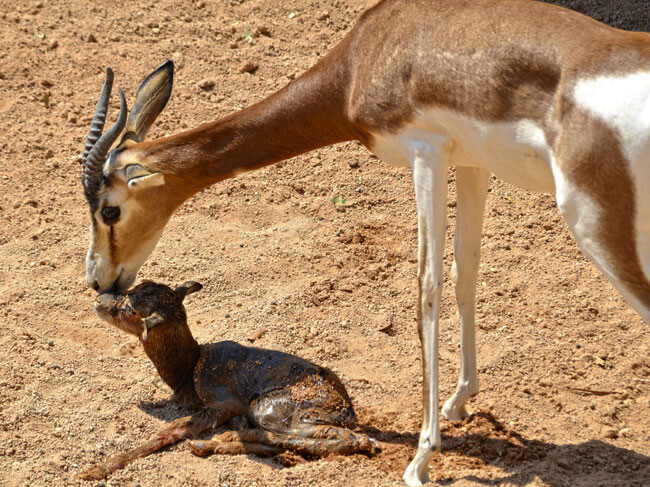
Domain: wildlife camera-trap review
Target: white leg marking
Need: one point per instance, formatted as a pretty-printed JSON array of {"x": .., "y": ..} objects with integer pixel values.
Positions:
[
  {"x": 472, "y": 186},
  {"x": 430, "y": 177}
]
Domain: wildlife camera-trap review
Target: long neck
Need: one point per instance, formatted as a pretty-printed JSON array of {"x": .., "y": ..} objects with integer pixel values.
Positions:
[
  {"x": 308, "y": 113},
  {"x": 174, "y": 352}
]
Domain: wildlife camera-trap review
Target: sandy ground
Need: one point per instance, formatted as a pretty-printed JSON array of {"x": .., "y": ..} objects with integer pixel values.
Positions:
[{"x": 319, "y": 251}]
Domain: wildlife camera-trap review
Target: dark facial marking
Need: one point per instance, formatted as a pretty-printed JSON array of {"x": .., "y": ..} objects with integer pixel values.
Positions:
[
  {"x": 112, "y": 246},
  {"x": 91, "y": 191}
]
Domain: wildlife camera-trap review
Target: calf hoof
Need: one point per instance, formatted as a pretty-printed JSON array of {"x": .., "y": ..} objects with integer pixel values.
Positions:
[
  {"x": 94, "y": 473},
  {"x": 374, "y": 446},
  {"x": 198, "y": 447}
]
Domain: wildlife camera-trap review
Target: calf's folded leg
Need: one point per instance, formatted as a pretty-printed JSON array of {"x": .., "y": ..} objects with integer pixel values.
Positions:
[
  {"x": 177, "y": 430},
  {"x": 326, "y": 440}
]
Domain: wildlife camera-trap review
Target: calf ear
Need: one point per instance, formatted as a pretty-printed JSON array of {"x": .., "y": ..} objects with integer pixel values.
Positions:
[
  {"x": 152, "y": 97},
  {"x": 150, "y": 322},
  {"x": 188, "y": 287}
]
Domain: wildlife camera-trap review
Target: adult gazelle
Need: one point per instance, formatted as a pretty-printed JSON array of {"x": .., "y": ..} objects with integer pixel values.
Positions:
[{"x": 540, "y": 96}]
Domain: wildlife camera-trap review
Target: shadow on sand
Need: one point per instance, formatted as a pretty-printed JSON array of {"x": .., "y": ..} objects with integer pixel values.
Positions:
[
  {"x": 494, "y": 454},
  {"x": 482, "y": 441}
]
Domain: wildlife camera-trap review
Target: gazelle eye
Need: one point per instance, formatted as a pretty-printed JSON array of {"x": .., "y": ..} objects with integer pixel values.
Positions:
[
  {"x": 110, "y": 214},
  {"x": 129, "y": 310}
]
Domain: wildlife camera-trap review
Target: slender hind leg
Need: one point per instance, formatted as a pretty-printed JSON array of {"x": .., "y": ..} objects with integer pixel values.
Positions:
[
  {"x": 327, "y": 440},
  {"x": 430, "y": 179},
  {"x": 178, "y": 430},
  {"x": 472, "y": 186}
]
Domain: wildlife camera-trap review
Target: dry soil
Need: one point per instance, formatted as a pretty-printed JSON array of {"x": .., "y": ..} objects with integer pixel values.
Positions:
[{"x": 319, "y": 251}]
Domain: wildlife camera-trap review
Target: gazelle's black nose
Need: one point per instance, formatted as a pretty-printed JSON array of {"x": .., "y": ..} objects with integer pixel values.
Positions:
[{"x": 95, "y": 286}]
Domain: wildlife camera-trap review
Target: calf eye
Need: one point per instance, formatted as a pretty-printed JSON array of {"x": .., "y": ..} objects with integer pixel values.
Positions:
[{"x": 110, "y": 214}]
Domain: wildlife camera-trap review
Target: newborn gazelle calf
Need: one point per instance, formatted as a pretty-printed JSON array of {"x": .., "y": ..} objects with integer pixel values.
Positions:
[{"x": 291, "y": 403}]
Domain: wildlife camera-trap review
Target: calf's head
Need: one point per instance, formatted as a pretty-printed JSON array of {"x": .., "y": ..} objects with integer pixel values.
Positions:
[{"x": 148, "y": 305}]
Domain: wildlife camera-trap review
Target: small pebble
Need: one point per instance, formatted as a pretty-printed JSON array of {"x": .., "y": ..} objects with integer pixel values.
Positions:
[
  {"x": 206, "y": 84},
  {"x": 177, "y": 57},
  {"x": 50, "y": 343},
  {"x": 624, "y": 431},
  {"x": 91, "y": 38},
  {"x": 610, "y": 433},
  {"x": 53, "y": 44},
  {"x": 249, "y": 67},
  {"x": 256, "y": 335}
]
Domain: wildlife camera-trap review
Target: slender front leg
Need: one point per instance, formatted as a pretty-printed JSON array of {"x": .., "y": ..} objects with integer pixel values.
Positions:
[
  {"x": 430, "y": 178},
  {"x": 471, "y": 186},
  {"x": 177, "y": 430}
]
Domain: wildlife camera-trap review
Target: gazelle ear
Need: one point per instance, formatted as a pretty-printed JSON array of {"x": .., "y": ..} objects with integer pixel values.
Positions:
[
  {"x": 150, "y": 322},
  {"x": 139, "y": 177},
  {"x": 152, "y": 97},
  {"x": 188, "y": 287}
]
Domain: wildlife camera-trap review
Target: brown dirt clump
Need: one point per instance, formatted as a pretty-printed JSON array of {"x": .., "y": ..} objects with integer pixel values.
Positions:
[{"x": 319, "y": 250}]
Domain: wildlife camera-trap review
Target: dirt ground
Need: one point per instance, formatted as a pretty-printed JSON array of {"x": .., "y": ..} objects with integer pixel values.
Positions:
[
  {"x": 319, "y": 251},
  {"x": 623, "y": 14}
]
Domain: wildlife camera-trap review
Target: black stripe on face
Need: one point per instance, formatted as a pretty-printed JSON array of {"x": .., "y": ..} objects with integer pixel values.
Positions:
[{"x": 112, "y": 247}]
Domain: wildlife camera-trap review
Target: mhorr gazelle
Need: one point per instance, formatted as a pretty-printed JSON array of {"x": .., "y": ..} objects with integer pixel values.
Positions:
[{"x": 540, "y": 96}]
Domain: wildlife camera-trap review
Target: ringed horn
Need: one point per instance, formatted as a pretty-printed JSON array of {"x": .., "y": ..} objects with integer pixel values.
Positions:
[{"x": 98, "y": 145}]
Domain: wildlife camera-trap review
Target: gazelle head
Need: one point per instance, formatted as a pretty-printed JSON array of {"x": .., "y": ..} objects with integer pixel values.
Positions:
[{"x": 129, "y": 203}]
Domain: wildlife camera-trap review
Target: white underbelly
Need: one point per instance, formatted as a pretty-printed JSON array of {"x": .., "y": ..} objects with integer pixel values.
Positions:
[{"x": 516, "y": 152}]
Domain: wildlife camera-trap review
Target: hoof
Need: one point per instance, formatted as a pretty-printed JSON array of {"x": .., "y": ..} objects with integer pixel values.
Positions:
[
  {"x": 93, "y": 473},
  {"x": 374, "y": 446},
  {"x": 412, "y": 478},
  {"x": 198, "y": 447},
  {"x": 455, "y": 413},
  {"x": 417, "y": 473}
]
